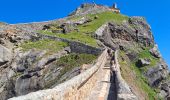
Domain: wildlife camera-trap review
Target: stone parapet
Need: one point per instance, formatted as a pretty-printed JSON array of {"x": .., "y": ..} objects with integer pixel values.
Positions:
[
  {"x": 123, "y": 90},
  {"x": 76, "y": 88}
]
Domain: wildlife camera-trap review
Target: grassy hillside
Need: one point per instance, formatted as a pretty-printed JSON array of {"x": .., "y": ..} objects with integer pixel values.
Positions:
[
  {"x": 50, "y": 46},
  {"x": 86, "y": 31}
]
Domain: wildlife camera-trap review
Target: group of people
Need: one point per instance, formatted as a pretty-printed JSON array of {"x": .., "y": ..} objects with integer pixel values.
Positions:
[{"x": 112, "y": 61}]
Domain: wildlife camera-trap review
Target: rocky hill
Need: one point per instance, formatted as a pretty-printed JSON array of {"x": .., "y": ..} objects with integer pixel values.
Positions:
[{"x": 37, "y": 56}]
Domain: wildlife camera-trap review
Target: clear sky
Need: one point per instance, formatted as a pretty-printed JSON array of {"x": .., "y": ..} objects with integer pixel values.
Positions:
[{"x": 157, "y": 13}]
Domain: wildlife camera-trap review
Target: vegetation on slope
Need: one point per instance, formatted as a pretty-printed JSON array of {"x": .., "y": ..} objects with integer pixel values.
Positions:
[
  {"x": 50, "y": 45},
  {"x": 86, "y": 31},
  {"x": 74, "y": 60},
  {"x": 134, "y": 76},
  {"x": 145, "y": 54},
  {"x": 69, "y": 62}
]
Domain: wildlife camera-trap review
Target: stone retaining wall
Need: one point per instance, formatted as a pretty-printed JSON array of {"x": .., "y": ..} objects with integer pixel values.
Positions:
[
  {"x": 76, "y": 88},
  {"x": 123, "y": 90},
  {"x": 76, "y": 47}
]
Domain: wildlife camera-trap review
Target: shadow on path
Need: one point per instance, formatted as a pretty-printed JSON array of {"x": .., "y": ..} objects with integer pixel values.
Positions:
[{"x": 112, "y": 90}]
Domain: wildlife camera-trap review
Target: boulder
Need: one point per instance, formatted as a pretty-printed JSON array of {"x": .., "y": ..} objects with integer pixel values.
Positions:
[
  {"x": 166, "y": 87},
  {"x": 163, "y": 94},
  {"x": 96, "y": 17},
  {"x": 26, "y": 84},
  {"x": 67, "y": 27},
  {"x": 143, "y": 62},
  {"x": 155, "y": 52},
  {"x": 82, "y": 21},
  {"x": 67, "y": 49},
  {"x": 26, "y": 61},
  {"x": 5, "y": 55},
  {"x": 132, "y": 56}
]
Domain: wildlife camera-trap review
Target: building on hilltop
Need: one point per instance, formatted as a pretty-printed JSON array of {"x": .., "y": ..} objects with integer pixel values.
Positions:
[{"x": 115, "y": 9}]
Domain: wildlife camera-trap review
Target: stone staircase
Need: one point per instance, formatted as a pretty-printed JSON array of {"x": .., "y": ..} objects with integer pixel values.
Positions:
[
  {"x": 105, "y": 88},
  {"x": 103, "y": 81}
]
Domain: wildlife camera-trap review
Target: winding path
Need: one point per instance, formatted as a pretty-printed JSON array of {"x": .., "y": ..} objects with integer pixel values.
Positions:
[
  {"x": 105, "y": 88},
  {"x": 102, "y": 81}
]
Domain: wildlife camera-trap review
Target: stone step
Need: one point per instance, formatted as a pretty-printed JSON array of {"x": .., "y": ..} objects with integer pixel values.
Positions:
[
  {"x": 107, "y": 65},
  {"x": 109, "y": 59},
  {"x": 106, "y": 68}
]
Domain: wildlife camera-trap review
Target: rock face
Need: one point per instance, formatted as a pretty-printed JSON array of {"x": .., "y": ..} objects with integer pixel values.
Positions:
[
  {"x": 165, "y": 89},
  {"x": 126, "y": 35},
  {"x": 155, "y": 52},
  {"x": 143, "y": 62},
  {"x": 5, "y": 55},
  {"x": 157, "y": 74},
  {"x": 89, "y": 9}
]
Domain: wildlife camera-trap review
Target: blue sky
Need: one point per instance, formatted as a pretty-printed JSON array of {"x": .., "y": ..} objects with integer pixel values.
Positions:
[{"x": 157, "y": 13}]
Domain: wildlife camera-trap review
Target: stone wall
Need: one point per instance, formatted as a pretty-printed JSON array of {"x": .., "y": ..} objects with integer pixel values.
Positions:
[
  {"x": 75, "y": 46},
  {"x": 76, "y": 88},
  {"x": 123, "y": 90}
]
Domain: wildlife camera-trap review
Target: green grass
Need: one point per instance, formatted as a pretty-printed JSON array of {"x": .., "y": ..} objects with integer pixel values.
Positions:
[
  {"x": 102, "y": 19},
  {"x": 146, "y": 54},
  {"x": 17, "y": 74},
  {"x": 143, "y": 83},
  {"x": 139, "y": 81},
  {"x": 67, "y": 63},
  {"x": 86, "y": 31},
  {"x": 50, "y": 45},
  {"x": 74, "y": 60}
]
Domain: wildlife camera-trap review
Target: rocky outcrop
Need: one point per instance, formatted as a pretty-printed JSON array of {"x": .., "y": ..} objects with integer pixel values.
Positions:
[
  {"x": 126, "y": 35},
  {"x": 133, "y": 36},
  {"x": 157, "y": 74},
  {"x": 81, "y": 21},
  {"x": 32, "y": 78},
  {"x": 5, "y": 55},
  {"x": 143, "y": 62},
  {"x": 89, "y": 9},
  {"x": 155, "y": 52},
  {"x": 165, "y": 90}
]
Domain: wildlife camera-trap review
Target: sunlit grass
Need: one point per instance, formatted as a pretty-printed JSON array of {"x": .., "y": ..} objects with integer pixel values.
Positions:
[{"x": 86, "y": 31}]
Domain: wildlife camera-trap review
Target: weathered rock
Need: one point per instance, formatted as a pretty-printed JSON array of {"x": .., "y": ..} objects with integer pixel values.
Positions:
[
  {"x": 27, "y": 60},
  {"x": 67, "y": 28},
  {"x": 143, "y": 62},
  {"x": 100, "y": 31},
  {"x": 155, "y": 52},
  {"x": 96, "y": 17},
  {"x": 89, "y": 9},
  {"x": 67, "y": 49},
  {"x": 114, "y": 35},
  {"x": 5, "y": 55},
  {"x": 82, "y": 21},
  {"x": 132, "y": 56},
  {"x": 46, "y": 27},
  {"x": 26, "y": 84},
  {"x": 163, "y": 94},
  {"x": 156, "y": 74},
  {"x": 49, "y": 59}
]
